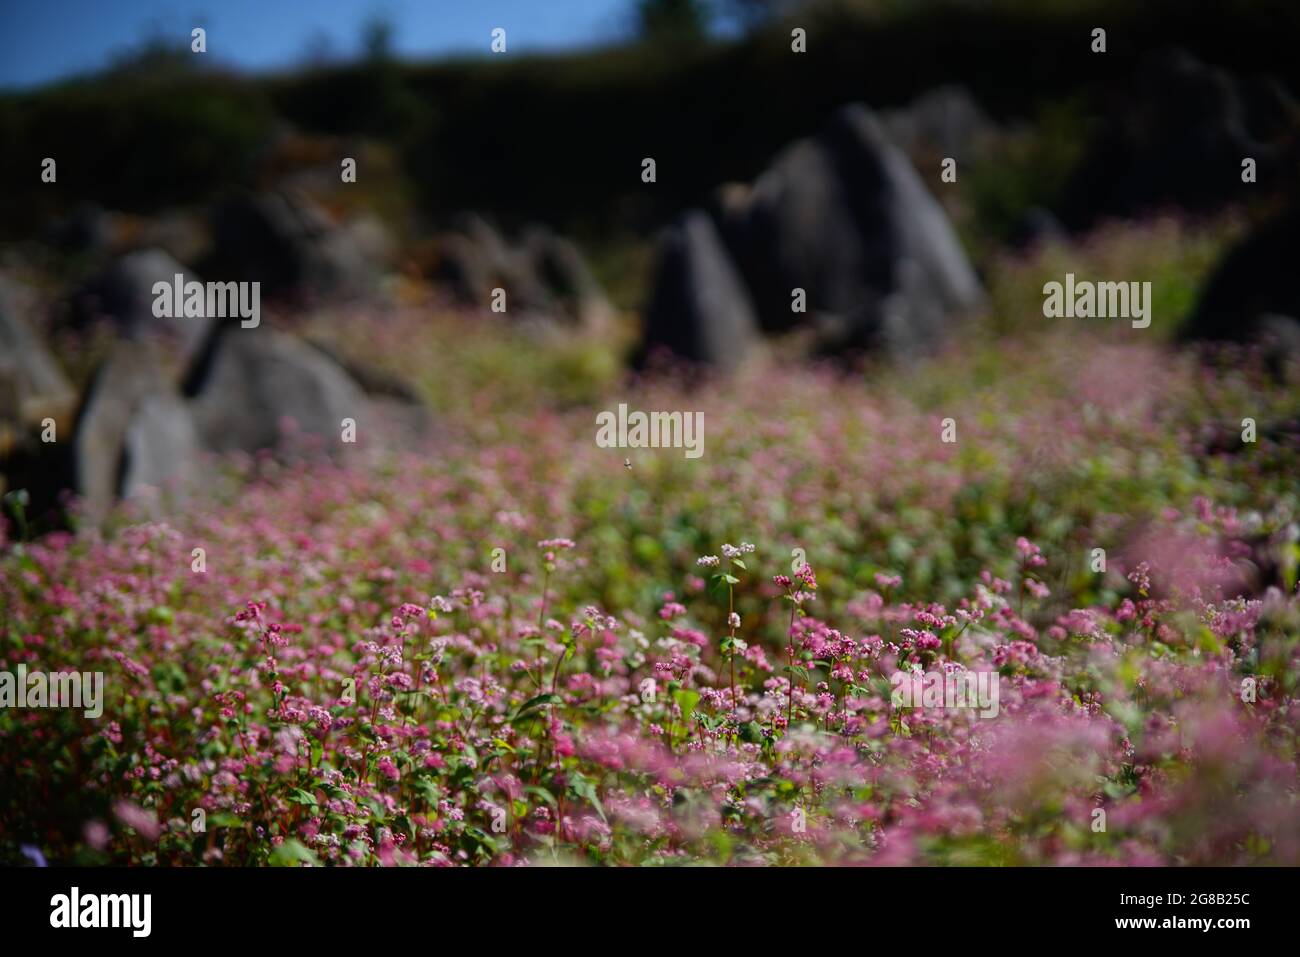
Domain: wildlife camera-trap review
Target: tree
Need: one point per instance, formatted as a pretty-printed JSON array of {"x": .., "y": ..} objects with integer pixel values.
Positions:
[
  {"x": 673, "y": 21},
  {"x": 377, "y": 40},
  {"x": 752, "y": 14}
]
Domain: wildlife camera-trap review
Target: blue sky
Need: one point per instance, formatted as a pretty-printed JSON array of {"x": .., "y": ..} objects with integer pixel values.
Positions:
[{"x": 44, "y": 40}]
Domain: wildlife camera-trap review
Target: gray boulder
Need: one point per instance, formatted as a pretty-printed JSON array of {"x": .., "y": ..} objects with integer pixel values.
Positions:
[
  {"x": 559, "y": 267},
  {"x": 794, "y": 230},
  {"x": 474, "y": 259},
  {"x": 844, "y": 217},
  {"x": 544, "y": 275},
  {"x": 933, "y": 280},
  {"x": 291, "y": 246},
  {"x": 160, "y": 448},
  {"x": 395, "y": 406},
  {"x": 463, "y": 269},
  {"x": 132, "y": 432},
  {"x": 258, "y": 388},
  {"x": 699, "y": 309},
  {"x": 123, "y": 294}
]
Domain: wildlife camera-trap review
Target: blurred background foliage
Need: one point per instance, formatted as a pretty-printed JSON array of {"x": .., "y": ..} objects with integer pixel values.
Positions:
[{"x": 560, "y": 138}]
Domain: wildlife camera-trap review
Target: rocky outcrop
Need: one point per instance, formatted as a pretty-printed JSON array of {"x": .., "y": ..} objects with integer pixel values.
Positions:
[
  {"x": 290, "y": 245},
  {"x": 132, "y": 432},
  {"x": 123, "y": 295},
  {"x": 699, "y": 309},
  {"x": 838, "y": 234},
  {"x": 543, "y": 275},
  {"x": 259, "y": 388},
  {"x": 1252, "y": 295}
]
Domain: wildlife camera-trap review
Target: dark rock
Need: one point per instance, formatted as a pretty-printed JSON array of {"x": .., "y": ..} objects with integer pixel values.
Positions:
[
  {"x": 1252, "y": 291},
  {"x": 291, "y": 246},
  {"x": 699, "y": 309},
  {"x": 474, "y": 260},
  {"x": 560, "y": 268},
  {"x": 508, "y": 268},
  {"x": 248, "y": 385},
  {"x": 464, "y": 269},
  {"x": 934, "y": 282},
  {"x": 488, "y": 239},
  {"x": 845, "y": 217},
  {"x": 796, "y": 230},
  {"x": 544, "y": 276}
]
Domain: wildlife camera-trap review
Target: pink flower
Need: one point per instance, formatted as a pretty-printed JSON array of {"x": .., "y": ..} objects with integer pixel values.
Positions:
[{"x": 145, "y": 823}]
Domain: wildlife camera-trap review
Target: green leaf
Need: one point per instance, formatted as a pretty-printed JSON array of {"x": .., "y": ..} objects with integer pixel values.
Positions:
[
  {"x": 291, "y": 853},
  {"x": 533, "y": 705},
  {"x": 738, "y": 563},
  {"x": 428, "y": 790},
  {"x": 586, "y": 789},
  {"x": 542, "y": 793},
  {"x": 686, "y": 699},
  {"x": 303, "y": 797},
  {"x": 721, "y": 841}
]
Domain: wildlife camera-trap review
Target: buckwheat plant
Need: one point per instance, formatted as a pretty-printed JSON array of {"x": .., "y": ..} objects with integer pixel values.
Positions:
[
  {"x": 349, "y": 685},
  {"x": 724, "y": 580}
]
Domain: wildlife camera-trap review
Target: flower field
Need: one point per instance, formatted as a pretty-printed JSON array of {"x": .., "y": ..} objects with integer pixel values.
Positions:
[{"x": 514, "y": 648}]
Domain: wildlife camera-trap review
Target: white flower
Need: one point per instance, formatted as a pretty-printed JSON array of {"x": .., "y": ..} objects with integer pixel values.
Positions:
[
  {"x": 733, "y": 620},
  {"x": 710, "y": 561}
]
